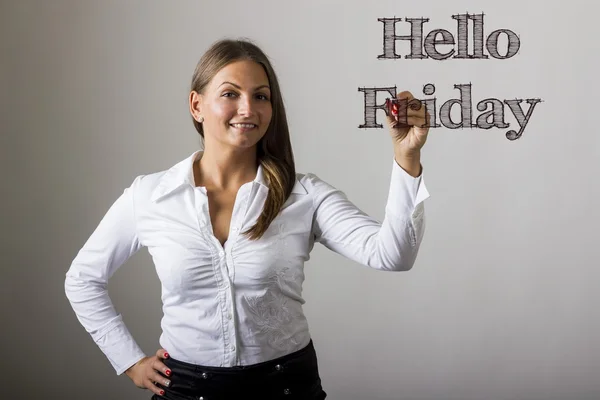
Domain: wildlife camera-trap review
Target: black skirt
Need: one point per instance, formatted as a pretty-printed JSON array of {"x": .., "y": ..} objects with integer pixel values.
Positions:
[{"x": 294, "y": 376}]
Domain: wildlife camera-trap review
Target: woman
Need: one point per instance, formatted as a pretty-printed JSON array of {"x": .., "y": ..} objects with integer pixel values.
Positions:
[{"x": 229, "y": 229}]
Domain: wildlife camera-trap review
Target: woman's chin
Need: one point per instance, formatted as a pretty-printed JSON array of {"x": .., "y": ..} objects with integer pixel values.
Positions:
[{"x": 246, "y": 139}]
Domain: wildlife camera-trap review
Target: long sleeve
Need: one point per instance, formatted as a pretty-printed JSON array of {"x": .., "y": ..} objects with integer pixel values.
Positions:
[
  {"x": 390, "y": 245},
  {"x": 113, "y": 241}
]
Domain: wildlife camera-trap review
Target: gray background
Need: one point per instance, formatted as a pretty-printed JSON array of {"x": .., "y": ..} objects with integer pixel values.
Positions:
[{"x": 501, "y": 303}]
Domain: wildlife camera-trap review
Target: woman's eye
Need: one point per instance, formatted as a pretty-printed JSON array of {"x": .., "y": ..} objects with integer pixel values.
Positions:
[{"x": 259, "y": 96}]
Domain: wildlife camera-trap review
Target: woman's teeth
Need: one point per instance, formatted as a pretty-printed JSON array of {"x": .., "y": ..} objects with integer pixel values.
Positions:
[{"x": 243, "y": 125}]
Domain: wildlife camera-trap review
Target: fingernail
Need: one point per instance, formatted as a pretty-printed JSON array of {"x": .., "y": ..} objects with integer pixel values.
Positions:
[
  {"x": 167, "y": 382},
  {"x": 168, "y": 372},
  {"x": 162, "y": 392},
  {"x": 166, "y": 355}
]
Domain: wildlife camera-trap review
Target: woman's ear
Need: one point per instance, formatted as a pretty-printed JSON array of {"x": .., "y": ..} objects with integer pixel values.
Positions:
[{"x": 195, "y": 103}]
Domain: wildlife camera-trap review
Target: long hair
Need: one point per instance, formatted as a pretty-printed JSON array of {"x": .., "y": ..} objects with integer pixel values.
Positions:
[{"x": 274, "y": 150}]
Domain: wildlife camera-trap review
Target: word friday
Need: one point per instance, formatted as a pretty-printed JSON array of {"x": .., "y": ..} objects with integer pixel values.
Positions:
[{"x": 492, "y": 110}]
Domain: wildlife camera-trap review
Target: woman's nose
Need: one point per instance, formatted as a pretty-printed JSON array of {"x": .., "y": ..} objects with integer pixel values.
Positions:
[{"x": 245, "y": 106}]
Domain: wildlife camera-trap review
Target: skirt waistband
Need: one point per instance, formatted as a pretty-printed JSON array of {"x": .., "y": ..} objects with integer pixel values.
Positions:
[
  {"x": 262, "y": 367},
  {"x": 292, "y": 377}
]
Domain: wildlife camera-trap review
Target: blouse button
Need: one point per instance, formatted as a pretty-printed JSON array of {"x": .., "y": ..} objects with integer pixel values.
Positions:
[
  {"x": 278, "y": 367},
  {"x": 204, "y": 375},
  {"x": 287, "y": 391}
]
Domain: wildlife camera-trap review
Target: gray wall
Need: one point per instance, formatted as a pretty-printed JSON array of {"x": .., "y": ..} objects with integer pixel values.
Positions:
[{"x": 501, "y": 303}]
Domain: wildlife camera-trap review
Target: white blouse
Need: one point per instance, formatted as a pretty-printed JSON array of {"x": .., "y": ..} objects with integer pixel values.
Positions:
[{"x": 240, "y": 303}]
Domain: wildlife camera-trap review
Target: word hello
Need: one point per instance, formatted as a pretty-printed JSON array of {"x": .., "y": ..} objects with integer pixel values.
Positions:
[
  {"x": 492, "y": 110},
  {"x": 441, "y": 37}
]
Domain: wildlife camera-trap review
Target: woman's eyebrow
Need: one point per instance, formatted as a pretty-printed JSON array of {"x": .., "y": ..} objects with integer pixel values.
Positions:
[{"x": 239, "y": 87}]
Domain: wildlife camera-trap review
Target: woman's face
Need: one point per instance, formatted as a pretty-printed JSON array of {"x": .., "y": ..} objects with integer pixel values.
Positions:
[{"x": 236, "y": 105}]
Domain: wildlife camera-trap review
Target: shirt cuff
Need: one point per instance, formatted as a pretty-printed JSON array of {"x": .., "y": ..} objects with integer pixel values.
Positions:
[
  {"x": 406, "y": 192},
  {"x": 120, "y": 348}
]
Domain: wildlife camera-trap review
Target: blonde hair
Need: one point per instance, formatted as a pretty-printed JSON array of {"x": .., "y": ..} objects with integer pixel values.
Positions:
[{"x": 274, "y": 150}]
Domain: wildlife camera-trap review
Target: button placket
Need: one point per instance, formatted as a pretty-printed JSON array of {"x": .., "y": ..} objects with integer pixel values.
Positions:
[
  {"x": 225, "y": 300},
  {"x": 230, "y": 330},
  {"x": 230, "y": 268},
  {"x": 239, "y": 210},
  {"x": 220, "y": 256},
  {"x": 229, "y": 304}
]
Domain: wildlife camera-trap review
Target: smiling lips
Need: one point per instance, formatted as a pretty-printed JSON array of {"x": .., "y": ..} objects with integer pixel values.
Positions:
[{"x": 243, "y": 127}]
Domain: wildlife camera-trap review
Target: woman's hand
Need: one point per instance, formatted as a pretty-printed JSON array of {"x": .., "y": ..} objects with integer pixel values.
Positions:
[
  {"x": 409, "y": 139},
  {"x": 412, "y": 137},
  {"x": 147, "y": 372}
]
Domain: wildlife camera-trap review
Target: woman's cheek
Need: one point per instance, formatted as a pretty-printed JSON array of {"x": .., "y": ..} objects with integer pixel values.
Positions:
[{"x": 224, "y": 109}]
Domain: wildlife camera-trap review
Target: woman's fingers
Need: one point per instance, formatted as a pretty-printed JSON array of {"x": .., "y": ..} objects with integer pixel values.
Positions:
[
  {"x": 153, "y": 378},
  {"x": 160, "y": 367},
  {"x": 153, "y": 373},
  {"x": 419, "y": 122},
  {"x": 162, "y": 353},
  {"x": 406, "y": 106},
  {"x": 157, "y": 378},
  {"x": 405, "y": 95},
  {"x": 414, "y": 115},
  {"x": 151, "y": 385}
]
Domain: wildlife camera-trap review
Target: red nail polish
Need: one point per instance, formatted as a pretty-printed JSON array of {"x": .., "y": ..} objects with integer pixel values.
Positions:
[
  {"x": 393, "y": 106},
  {"x": 166, "y": 355},
  {"x": 168, "y": 372},
  {"x": 162, "y": 392}
]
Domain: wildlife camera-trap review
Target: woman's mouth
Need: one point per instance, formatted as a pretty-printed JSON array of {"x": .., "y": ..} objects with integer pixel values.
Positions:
[{"x": 243, "y": 127}]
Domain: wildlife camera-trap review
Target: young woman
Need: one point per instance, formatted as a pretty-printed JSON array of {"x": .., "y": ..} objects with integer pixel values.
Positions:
[{"x": 229, "y": 229}]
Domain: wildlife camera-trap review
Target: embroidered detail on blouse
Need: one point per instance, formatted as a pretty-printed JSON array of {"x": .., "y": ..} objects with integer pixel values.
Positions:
[{"x": 272, "y": 314}]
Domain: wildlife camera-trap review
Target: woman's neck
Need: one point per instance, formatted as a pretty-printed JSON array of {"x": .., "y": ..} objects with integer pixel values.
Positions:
[{"x": 225, "y": 170}]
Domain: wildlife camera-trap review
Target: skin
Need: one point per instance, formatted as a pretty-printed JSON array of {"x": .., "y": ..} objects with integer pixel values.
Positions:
[
  {"x": 408, "y": 141},
  {"x": 239, "y": 93}
]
